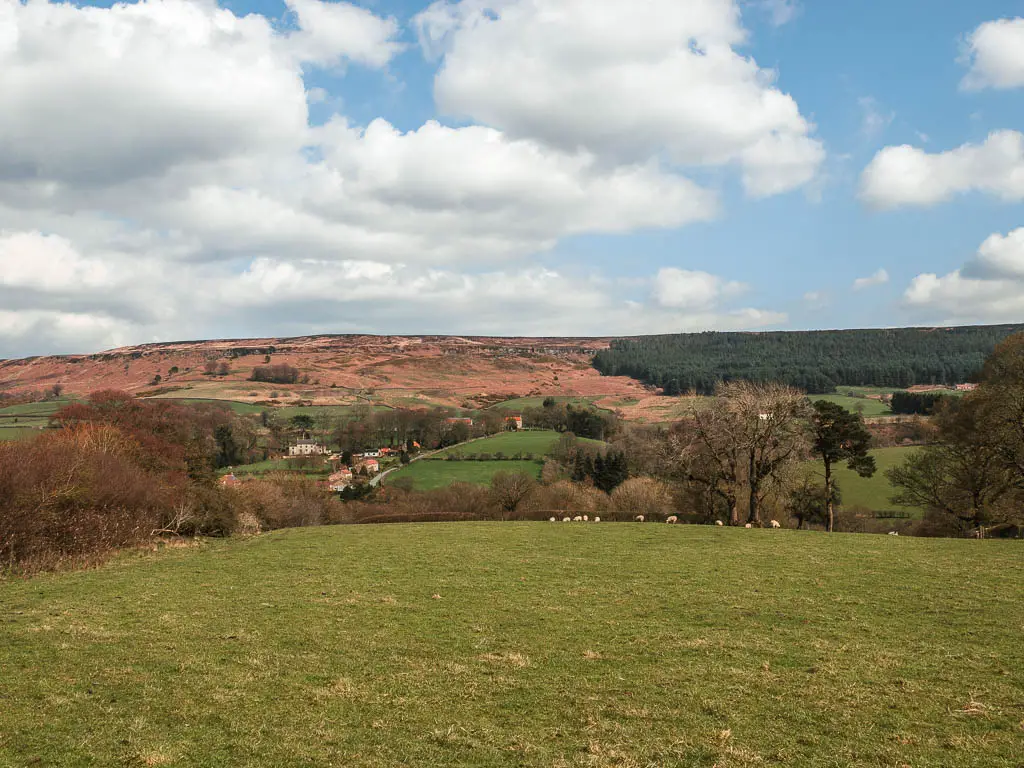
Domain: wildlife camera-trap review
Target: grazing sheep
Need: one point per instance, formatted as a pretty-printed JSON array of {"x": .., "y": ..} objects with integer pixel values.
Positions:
[
  {"x": 639, "y": 518},
  {"x": 597, "y": 519},
  {"x": 586, "y": 519},
  {"x": 894, "y": 533},
  {"x": 578, "y": 519},
  {"x": 566, "y": 519},
  {"x": 776, "y": 524},
  {"x": 672, "y": 519},
  {"x": 553, "y": 520},
  {"x": 748, "y": 525},
  {"x": 719, "y": 522}
]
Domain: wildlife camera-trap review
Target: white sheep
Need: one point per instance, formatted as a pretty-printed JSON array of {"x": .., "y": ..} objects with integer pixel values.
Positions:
[
  {"x": 566, "y": 519},
  {"x": 776, "y": 524},
  {"x": 719, "y": 522},
  {"x": 586, "y": 519},
  {"x": 578, "y": 519},
  {"x": 553, "y": 520},
  {"x": 748, "y": 525},
  {"x": 597, "y": 519},
  {"x": 894, "y": 533},
  {"x": 639, "y": 518},
  {"x": 672, "y": 519}
]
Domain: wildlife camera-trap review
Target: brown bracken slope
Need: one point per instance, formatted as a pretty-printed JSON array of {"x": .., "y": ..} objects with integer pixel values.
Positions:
[{"x": 460, "y": 371}]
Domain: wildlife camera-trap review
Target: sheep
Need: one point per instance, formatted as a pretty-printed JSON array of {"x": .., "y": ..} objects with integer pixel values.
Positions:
[
  {"x": 553, "y": 520},
  {"x": 566, "y": 519},
  {"x": 894, "y": 533},
  {"x": 586, "y": 519},
  {"x": 672, "y": 519},
  {"x": 719, "y": 522},
  {"x": 775, "y": 524},
  {"x": 748, "y": 525},
  {"x": 578, "y": 519},
  {"x": 597, "y": 519},
  {"x": 639, "y": 518}
]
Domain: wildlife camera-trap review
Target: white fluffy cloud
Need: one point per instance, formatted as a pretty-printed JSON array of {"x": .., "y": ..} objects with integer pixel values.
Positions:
[
  {"x": 628, "y": 82},
  {"x": 995, "y": 55},
  {"x": 331, "y": 32},
  {"x": 684, "y": 289},
  {"x": 989, "y": 288},
  {"x": 279, "y": 296},
  {"x": 906, "y": 175},
  {"x": 159, "y": 177},
  {"x": 881, "y": 277}
]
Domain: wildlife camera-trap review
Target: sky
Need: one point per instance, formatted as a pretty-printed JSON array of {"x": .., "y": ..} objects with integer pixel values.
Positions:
[{"x": 183, "y": 169}]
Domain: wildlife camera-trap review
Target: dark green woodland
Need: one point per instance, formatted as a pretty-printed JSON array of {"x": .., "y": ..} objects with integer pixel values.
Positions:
[{"x": 815, "y": 361}]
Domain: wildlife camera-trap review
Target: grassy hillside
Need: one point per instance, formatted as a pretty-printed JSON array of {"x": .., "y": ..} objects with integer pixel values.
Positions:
[
  {"x": 870, "y": 492},
  {"x": 433, "y": 473},
  {"x": 539, "y": 442},
  {"x": 427, "y": 475},
  {"x": 522, "y": 645}
]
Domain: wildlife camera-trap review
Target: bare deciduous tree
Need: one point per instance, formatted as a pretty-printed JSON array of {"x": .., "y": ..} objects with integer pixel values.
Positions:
[
  {"x": 745, "y": 438},
  {"x": 509, "y": 489}
]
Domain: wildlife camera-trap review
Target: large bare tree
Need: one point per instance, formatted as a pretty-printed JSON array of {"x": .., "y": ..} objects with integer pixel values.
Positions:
[{"x": 745, "y": 439}]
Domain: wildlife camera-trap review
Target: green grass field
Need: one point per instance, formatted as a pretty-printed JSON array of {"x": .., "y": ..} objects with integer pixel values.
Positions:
[
  {"x": 539, "y": 443},
  {"x": 855, "y": 404},
  {"x": 519, "y": 403},
  {"x": 533, "y": 644},
  {"x": 17, "y": 432},
  {"x": 234, "y": 405},
  {"x": 276, "y": 465},
  {"x": 870, "y": 492},
  {"x": 284, "y": 412},
  {"x": 429, "y": 474},
  {"x": 18, "y": 422}
]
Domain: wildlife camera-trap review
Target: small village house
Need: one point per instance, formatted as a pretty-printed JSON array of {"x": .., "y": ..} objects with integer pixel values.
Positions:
[
  {"x": 372, "y": 466},
  {"x": 230, "y": 481},
  {"x": 514, "y": 423},
  {"x": 340, "y": 480}
]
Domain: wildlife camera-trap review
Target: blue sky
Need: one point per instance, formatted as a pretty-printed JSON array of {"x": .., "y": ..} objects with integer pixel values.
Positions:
[{"x": 179, "y": 169}]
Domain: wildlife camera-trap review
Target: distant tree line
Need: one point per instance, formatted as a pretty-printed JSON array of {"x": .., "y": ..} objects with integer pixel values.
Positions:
[
  {"x": 275, "y": 374},
  {"x": 814, "y": 361}
]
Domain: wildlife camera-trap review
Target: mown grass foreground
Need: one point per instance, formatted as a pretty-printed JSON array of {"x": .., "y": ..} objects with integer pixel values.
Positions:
[{"x": 527, "y": 644}]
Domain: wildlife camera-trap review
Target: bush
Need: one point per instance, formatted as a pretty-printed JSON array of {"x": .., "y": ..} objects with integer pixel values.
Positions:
[
  {"x": 642, "y": 496},
  {"x": 566, "y": 497},
  {"x": 75, "y": 494}
]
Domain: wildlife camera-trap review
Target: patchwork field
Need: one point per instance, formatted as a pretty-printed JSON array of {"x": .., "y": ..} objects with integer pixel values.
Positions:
[
  {"x": 862, "y": 405},
  {"x": 27, "y": 419},
  {"x": 531, "y": 644},
  {"x": 426, "y": 475}
]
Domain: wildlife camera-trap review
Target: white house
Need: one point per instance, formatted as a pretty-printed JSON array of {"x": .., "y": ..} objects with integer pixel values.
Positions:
[{"x": 307, "y": 448}]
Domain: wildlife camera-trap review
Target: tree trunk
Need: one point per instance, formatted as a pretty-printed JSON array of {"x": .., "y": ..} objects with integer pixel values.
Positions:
[
  {"x": 754, "y": 516},
  {"x": 734, "y": 512},
  {"x": 829, "y": 510}
]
